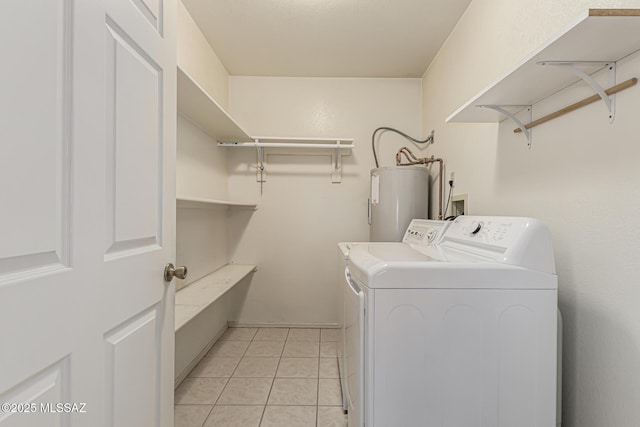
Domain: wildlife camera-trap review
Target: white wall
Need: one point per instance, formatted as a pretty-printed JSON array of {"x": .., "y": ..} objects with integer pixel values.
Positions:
[
  {"x": 301, "y": 214},
  {"x": 580, "y": 177},
  {"x": 201, "y": 234},
  {"x": 196, "y": 57},
  {"x": 201, "y": 172},
  {"x": 201, "y": 167}
]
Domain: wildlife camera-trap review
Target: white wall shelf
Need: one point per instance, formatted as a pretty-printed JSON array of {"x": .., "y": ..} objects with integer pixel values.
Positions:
[
  {"x": 336, "y": 147},
  {"x": 292, "y": 142},
  {"x": 193, "y": 299},
  {"x": 201, "y": 203},
  {"x": 198, "y": 107},
  {"x": 602, "y": 35}
]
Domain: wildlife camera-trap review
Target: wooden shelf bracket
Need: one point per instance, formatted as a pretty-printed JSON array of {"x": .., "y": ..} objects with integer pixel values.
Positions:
[{"x": 572, "y": 66}]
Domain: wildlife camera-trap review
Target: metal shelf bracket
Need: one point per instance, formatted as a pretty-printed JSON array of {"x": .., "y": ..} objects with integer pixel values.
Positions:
[
  {"x": 336, "y": 174},
  {"x": 501, "y": 109},
  {"x": 260, "y": 172},
  {"x": 339, "y": 147},
  {"x": 572, "y": 66}
]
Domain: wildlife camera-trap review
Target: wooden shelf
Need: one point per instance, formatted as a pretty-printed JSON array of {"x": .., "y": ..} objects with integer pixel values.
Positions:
[
  {"x": 198, "y": 107},
  {"x": 199, "y": 203},
  {"x": 598, "y": 35},
  {"x": 193, "y": 299}
]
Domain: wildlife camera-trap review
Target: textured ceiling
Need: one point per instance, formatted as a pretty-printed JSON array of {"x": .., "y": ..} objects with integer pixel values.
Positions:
[{"x": 326, "y": 38}]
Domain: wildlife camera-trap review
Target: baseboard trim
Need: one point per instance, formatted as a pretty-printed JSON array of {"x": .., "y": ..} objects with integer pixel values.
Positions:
[{"x": 283, "y": 325}]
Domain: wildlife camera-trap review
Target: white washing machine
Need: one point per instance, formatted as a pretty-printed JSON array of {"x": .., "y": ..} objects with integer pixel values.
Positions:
[{"x": 456, "y": 329}]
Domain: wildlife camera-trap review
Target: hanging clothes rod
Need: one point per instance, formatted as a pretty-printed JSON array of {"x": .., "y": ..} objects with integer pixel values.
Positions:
[
  {"x": 593, "y": 98},
  {"x": 292, "y": 139},
  {"x": 284, "y": 142}
]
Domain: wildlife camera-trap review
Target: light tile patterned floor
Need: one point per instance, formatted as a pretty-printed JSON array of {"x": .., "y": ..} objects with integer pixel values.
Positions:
[{"x": 255, "y": 377}]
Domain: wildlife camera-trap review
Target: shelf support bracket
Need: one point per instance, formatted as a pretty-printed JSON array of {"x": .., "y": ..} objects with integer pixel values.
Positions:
[
  {"x": 260, "y": 173},
  {"x": 571, "y": 66},
  {"x": 514, "y": 119},
  {"x": 336, "y": 145},
  {"x": 336, "y": 174}
]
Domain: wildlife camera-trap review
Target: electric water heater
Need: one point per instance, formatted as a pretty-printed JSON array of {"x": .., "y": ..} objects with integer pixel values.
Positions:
[{"x": 398, "y": 195}]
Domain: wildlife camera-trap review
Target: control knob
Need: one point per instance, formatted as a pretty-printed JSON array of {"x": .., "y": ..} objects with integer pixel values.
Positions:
[{"x": 475, "y": 228}]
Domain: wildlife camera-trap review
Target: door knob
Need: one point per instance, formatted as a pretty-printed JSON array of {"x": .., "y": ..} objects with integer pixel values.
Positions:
[{"x": 170, "y": 272}]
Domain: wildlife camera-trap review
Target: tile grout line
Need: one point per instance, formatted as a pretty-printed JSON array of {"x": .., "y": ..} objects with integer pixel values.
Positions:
[
  {"x": 273, "y": 381},
  {"x": 209, "y": 414},
  {"x": 231, "y": 376},
  {"x": 243, "y": 357},
  {"x": 218, "y": 398},
  {"x": 318, "y": 388},
  {"x": 226, "y": 383}
]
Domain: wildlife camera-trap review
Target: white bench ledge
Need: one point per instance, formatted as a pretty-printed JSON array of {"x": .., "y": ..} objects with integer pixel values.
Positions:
[
  {"x": 192, "y": 299},
  {"x": 196, "y": 202}
]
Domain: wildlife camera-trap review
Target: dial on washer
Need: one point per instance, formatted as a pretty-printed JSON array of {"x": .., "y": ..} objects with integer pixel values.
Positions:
[{"x": 475, "y": 228}]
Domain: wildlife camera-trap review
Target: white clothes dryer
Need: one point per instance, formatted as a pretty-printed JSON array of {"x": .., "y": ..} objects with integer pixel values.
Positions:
[
  {"x": 421, "y": 235},
  {"x": 458, "y": 331}
]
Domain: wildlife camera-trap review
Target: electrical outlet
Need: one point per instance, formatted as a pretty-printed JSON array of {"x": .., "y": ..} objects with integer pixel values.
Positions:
[{"x": 452, "y": 178}]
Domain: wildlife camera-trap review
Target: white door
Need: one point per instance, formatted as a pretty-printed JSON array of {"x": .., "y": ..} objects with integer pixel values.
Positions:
[{"x": 87, "y": 159}]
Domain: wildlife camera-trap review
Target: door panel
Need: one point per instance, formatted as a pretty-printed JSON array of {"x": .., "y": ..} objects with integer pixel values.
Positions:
[
  {"x": 133, "y": 366},
  {"x": 35, "y": 172},
  {"x": 88, "y": 155},
  {"x": 134, "y": 137},
  {"x": 36, "y": 138},
  {"x": 50, "y": 385},
  {"x": 152, "y": 11},
  {"x": 140, "y": 179}
]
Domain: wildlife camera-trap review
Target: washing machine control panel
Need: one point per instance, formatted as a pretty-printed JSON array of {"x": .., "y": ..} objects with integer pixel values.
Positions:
[
  {"x": 510, "y": 240},
  {"x": 424, "y": 232},
  {"x": 495, "y": 231},
  {"x": 475, "y": 227}
]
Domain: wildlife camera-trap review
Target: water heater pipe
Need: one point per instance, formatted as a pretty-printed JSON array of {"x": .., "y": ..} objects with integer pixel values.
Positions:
[
  {"x": 373, "y": 140},
  {"x": 413, "y": 160}
]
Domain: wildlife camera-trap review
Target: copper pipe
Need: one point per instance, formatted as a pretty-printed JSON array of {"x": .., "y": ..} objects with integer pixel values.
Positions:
[{"x": 413, "y": 160}]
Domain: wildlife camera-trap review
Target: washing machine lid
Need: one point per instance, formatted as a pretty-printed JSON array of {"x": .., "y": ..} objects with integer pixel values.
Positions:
[
  {"x": 398, "y": 252},
  {"x": 402, "y": 267},
  {"x": 472, "y": 252},
  {"x": 345, "y": 247}
]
